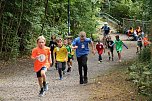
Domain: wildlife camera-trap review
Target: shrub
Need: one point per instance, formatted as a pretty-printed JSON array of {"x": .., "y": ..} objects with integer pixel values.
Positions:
[{"x": 141, "y": 72}]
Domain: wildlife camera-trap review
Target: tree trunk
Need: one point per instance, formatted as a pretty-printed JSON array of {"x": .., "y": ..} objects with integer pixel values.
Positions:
[{"x": 45, "y": 16}]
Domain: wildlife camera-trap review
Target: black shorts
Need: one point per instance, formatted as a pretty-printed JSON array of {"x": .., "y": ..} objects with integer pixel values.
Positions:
[
  {"x": 69, "y": 59},
  {"x": 139, "y": 44},
  {"x": 39, "y": 72},
  {"x": 111, "y": 50}
]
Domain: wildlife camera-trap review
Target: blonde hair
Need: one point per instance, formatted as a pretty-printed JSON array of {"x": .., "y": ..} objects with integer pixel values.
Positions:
[
  {"x": 58, "y": 39},
  {"x": 41, "y": 37},
  {"x": 82, "y": 34}
]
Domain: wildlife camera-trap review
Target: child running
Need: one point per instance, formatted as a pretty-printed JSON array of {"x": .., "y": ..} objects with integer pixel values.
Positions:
[
  {"x": 61, "y": 57},
  {"x": 146, "y": 41},
  {"x": 139, "y": 43},
  {"x": 110, "y": 48},
  {"x": 52, "y": 45},
  {"x": 81, "y": 44},
  {"x": 119, "y": 45},
  {"x": 100, "y": 48},
  {"x": 70, "y": 55},
  {"x": 69, "y": 49},
  {"x": 42, "y": 61}
]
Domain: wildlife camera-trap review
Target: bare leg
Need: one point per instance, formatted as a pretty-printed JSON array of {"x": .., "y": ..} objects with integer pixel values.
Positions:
[
  {"x": 119, "y": 56},
  {"x": 43, "y": 75},
  {"x": 109, "y": 54},
  {"x": 137, "y": 50},
  {"x": 112, "y": 55},
  {"x": 40, "y": 80}
]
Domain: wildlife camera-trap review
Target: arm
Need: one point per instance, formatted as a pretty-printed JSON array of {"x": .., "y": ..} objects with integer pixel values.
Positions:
[
  {"x": 112, "y": 44},
  {"x": 34, "y": 55},
  {"x": 74, "y": 46},
  {"x": 66, "y": 59},
  {"x": 49, "y": 57},
  {"x": 92, "y": 46},
  {"x": 54, "y": 55},
  {"x": 104, "y": 49},
  {"x": 125, "y": 45}
]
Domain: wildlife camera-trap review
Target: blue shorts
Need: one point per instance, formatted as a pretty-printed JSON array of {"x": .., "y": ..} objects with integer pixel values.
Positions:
[{"x": 39, "y": 72}]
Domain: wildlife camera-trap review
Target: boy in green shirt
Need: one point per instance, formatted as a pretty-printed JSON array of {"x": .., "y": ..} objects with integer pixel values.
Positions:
[
  {"x": 69, "y": 49},
  {"x": 119, "y": 45}
]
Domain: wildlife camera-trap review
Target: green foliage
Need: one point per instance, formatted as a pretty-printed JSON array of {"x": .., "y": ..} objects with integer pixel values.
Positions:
[
  {"x": 23, "y": 21},
  {"x": 95, "y": 37},
  {"x": 145, "y": 55},
  {"x": 141, "y": 72}
]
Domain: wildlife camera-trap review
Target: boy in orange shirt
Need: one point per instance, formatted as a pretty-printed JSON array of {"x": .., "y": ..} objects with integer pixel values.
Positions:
[
  {"x": 42, "y": 61},
  {"x": 146, "y": 41}
]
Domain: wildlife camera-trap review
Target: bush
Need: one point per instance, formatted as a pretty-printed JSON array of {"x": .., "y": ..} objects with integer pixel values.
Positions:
[
  {"x": 145, "y": 55},
  {"x": 141, "y": 72},
  {"x": 95, "y": 37}
]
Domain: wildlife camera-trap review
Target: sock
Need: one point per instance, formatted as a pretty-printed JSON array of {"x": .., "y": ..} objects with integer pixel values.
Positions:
[{"x": 44, "y": 83}]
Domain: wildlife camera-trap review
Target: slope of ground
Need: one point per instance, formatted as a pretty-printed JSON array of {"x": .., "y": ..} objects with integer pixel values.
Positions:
[
  {"x": 19, "y": 82},
  {"x": 115, "y": 86}
]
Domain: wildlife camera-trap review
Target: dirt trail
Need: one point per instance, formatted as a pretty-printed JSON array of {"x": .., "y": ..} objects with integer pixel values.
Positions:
[{"x": 18, "y": 82}]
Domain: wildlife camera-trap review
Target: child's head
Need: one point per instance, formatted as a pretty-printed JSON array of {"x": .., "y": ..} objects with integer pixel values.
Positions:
[
  {"x": 41, "y": 41},
  {"x": 146, "y": 35},
  {"x": 82, "y": 36},
  {"x": 131, "y": 28},
  {"x": 53, "y": 37},
  {"x": 109, "y": 37},
  {"x": 59, "y": 42},
  {"x": 69, "y": 40},
  {"x": 117, "y": 37},
  {"x": 65, "y": 42}
]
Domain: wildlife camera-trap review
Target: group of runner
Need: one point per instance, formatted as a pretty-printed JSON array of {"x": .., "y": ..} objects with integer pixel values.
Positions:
[
  {"x": 59, "y": 53},
  {"x": 139, "y": 36},
  {"x": 109, "y": 43}
]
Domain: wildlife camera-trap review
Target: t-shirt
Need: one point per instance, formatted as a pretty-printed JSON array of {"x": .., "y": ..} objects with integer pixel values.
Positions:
[
  {"x": 83, "y": 48},
  {"x": 106, "y": 29},
  {"x": 43, "y": 56},
  {"x": 130, "y": 32},
  {"x": 99, "y": 47},
  {"x": 119, "y": 45},
  {"x": 145, "y": 39},
  {"x": 52, "y": 45},
  {"x": 110, "y": 42},
  {"x": 139, "y": 40},
  {"x": 68, "y": 47},
  {"x": 61, "y": 54}
]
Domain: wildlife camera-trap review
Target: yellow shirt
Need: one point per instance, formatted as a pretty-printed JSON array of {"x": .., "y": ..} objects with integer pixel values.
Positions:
[
  {"x": 73, "y": 52},
  {"x": 61, "y": 54}
]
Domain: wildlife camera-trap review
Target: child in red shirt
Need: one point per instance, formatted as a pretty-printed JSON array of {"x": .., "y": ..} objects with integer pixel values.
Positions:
[{"x": 100, "y": 48}]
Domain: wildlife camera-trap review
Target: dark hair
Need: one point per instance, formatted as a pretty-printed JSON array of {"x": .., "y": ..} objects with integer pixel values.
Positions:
[
  {"x": 117, "y": 36},
  {"x": 53, "y": 37}
]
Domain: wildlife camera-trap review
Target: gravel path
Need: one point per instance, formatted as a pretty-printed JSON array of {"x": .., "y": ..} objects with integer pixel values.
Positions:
[{"x": 18, "y": 82}]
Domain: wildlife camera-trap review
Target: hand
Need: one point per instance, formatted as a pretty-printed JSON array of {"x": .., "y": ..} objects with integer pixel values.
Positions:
[
  {"x": 65, "y": 59},
  {"x": 93, "y": 51},
  {"x": 75, "y": 47}
]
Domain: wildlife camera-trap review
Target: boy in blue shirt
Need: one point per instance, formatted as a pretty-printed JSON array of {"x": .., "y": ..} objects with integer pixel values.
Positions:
[{"x": 82, "y": 50}]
